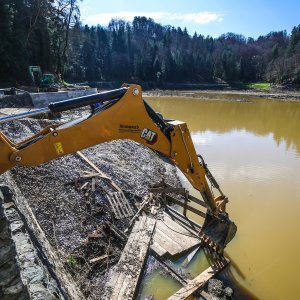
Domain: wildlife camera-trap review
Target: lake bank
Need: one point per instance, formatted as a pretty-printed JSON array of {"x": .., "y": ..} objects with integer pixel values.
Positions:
[{"x": 229, "y": 95}]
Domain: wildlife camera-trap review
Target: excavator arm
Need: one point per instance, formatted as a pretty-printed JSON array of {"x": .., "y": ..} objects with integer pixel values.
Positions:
[{"x": 123, "y": 114}]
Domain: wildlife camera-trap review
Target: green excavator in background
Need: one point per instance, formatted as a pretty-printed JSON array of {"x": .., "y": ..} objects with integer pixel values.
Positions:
[{"x": 39, "y": 79}]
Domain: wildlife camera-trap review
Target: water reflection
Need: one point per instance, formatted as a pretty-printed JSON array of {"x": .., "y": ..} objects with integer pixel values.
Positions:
[{"x": 281, "y": 119}]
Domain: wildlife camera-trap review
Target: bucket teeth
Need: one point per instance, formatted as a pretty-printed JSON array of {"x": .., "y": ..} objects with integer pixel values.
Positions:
[{"x": 211, "y": 245}]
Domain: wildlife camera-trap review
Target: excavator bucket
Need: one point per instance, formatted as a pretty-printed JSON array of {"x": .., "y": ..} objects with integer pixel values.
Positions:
[{"x": 218, "y": 231}]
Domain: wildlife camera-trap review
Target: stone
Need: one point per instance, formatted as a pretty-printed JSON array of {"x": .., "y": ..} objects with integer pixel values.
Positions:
[
  {"x": 6, "y": 253},
  {"x": 33, "y": 273},
  {"x": 17, "y": 226},
  {"x": 215, "y": 287},
  {"x": 8, "y": 272},
  {"x": 228, "y": 292}
]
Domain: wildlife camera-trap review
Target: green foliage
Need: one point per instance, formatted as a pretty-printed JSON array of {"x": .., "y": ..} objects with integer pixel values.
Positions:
[
  {"x": 72, "y": 261},
  {"x": 149, "y": 52},
  {"x": 259, "y": 86},
  {"x": 49, "y": 34},
  {"x": 34, "y": 32}
]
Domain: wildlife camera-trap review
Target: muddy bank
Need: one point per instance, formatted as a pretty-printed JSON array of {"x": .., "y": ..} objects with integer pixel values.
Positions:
[{"x": 228, "y": 95}]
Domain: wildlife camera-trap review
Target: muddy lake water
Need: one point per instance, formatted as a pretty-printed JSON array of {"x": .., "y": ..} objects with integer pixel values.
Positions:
[{"x": 252, "y": 147}]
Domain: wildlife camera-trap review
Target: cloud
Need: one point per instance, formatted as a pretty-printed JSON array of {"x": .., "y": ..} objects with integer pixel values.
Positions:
[{"x": 197, "y": 18}]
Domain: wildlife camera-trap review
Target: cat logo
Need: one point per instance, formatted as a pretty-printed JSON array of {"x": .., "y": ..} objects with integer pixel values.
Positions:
[{"x": 149, "y": 136}]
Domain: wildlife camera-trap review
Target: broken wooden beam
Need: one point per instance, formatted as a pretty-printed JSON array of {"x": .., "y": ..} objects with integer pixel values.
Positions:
[
  {"x": 117, "y": 200},
  {"x": 199, "y": 282},
  {"x": 186, "y": 222},
  {"x": 126, "y": 274},
  {"x": 169, "y": 269},
  {"x": 160, "y": 190},
  {"x": 196, "y": 200},
  {"x": 188, "y": 207},
  {"x": 120, "y": 205},
  {"x": 145, "y": 201},
  {"x": 171, "y": 238},
  {"x": 98, "y": 170}
]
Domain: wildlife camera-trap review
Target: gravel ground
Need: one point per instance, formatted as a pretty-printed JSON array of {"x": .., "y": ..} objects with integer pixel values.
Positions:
[{"x": 61, "y": 207}]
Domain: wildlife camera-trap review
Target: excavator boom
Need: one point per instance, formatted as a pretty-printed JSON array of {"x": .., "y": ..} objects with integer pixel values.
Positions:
[{"x": 123, "y": 114}]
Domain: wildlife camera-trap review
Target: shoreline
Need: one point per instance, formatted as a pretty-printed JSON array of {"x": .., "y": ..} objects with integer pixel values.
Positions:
[{"x": 227, "y": 95}]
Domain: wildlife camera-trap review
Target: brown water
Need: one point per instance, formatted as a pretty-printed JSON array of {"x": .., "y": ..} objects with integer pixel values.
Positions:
[{"x": 253, "y": 150}]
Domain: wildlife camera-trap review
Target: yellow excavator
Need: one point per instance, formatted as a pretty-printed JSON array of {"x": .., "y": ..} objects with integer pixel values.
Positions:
[{"x": 122, "y": 114}]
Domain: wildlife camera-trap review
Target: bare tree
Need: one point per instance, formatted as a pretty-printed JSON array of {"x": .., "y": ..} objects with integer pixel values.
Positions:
[{"x": 65, "y": 14}]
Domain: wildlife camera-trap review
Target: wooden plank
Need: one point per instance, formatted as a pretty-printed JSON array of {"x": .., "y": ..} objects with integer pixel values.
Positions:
[
  {"x": 166, "y": 242},
  {"x": 160, "y": 190},
  {"x": 174, "y": 214},
  {"x": 96, "y": 259},
  {"x": 196, "y": 200},
  {"x": 176, "y": 225},
  {"x": 93, "y": 184},
  {"x": 143, "y": 240},
  {"x": 127, "y": 204},
  {"x": 187, "y": 237},
  {"x": 198, "y": 282},
  {"x": 119, "y": 205},
  {"x": 170, "y": 270},
  {"x": 145, "y": 201},
  {"x": 188, "y": 207},
  {"x": 113, "y": 280},
  {"x": 97, "y": 170},
  {"x": 53, "y": 261},
  {"x": 113, "y": 205},
  {"x": 158, "y": 249},
  {"x": 128, "y": 270},
  {"x": 90, "y": 163},
  {"x": 185, "y": 206},
  {"x": 182, "y": 238},
  {"x": 172, "y": 237},
  {"x": 188, "y": 224}
]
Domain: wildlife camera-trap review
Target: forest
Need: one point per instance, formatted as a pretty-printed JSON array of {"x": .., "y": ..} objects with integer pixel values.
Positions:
[{"x": 50, "y": 34}]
